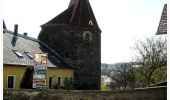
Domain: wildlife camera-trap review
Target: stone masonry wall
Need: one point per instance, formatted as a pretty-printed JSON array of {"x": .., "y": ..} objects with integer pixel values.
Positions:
[
  {"x": 78, "y": 49},
  {"x": 154, "y": 93}
]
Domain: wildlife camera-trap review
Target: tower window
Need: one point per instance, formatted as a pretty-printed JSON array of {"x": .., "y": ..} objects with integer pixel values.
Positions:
[
  {"x": 91, "y": 22},
  {"x": 87, "y": 36}
]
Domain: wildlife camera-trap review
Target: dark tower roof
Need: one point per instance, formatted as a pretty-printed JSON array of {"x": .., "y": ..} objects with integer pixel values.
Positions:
[{"x": 78, "y": 13}]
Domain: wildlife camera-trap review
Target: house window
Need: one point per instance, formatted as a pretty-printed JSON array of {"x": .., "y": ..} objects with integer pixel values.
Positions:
[
  {"x": 50, "y": 82},
  {"x": 11, "y": 81},
  {"x": 59, "y": 81}
]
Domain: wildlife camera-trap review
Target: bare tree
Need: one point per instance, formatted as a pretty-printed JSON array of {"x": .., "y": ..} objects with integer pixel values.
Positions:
[
  {"x": 151, "y": 55},
  {"x": 123, "y": 76}
]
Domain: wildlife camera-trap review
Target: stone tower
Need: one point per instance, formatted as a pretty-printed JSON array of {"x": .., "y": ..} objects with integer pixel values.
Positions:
[{"x": 75, "y": 35}]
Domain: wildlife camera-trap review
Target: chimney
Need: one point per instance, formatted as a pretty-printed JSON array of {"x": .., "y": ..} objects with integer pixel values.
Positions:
[
  {"x": 25, "y": 34},
  {"x": 15, "y": 29}
]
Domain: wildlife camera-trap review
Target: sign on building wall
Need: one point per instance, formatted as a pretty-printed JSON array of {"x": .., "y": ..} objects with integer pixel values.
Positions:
[
  {"x": 39, "y": 81},
  {"x": 40, "y": 70},
  {"x": 40, "y": 58}
]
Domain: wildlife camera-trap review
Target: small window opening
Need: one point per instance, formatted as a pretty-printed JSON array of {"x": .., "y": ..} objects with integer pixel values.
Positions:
[
  {"x": 87, "y": 36},
  {"x": 50, "y": 82},
  {"x": 91, "y": 22},
  {"x": 59, "y": 81}
]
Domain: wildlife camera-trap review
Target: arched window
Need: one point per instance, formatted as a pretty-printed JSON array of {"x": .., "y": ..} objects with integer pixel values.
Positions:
[
  {"x": 87, "y": 36},
  {"x": 91, "y": 22}
]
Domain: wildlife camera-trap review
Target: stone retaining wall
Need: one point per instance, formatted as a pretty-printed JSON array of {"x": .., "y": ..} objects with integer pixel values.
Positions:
[{"x": 154, "y": 93}]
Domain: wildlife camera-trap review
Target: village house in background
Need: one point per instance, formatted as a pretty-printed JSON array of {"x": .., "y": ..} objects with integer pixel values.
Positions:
[
  {"x": 75, "y": 35},
  {"x": 18, "y": 51}
]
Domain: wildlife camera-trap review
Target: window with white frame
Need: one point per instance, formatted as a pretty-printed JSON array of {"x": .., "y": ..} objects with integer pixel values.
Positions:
[{"x": 11, "y": 81}]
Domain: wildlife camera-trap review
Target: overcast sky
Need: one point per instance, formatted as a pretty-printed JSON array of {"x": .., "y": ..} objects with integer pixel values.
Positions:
[{"x": 121, "y": 21}]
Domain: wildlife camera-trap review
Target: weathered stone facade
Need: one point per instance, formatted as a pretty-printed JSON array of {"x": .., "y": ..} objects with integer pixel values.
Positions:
[
  {"x": 76, "y": 37},
  {"x": 154, "y": 93}
]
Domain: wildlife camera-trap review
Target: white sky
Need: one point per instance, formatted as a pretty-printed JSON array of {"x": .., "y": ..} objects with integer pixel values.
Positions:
[{"x": 121, "y": 21}]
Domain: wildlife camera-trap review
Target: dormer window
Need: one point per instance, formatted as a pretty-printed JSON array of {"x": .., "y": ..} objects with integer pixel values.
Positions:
[
  {"x": 29, "y": 54},
  {"x": 17, "y": 53}
]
